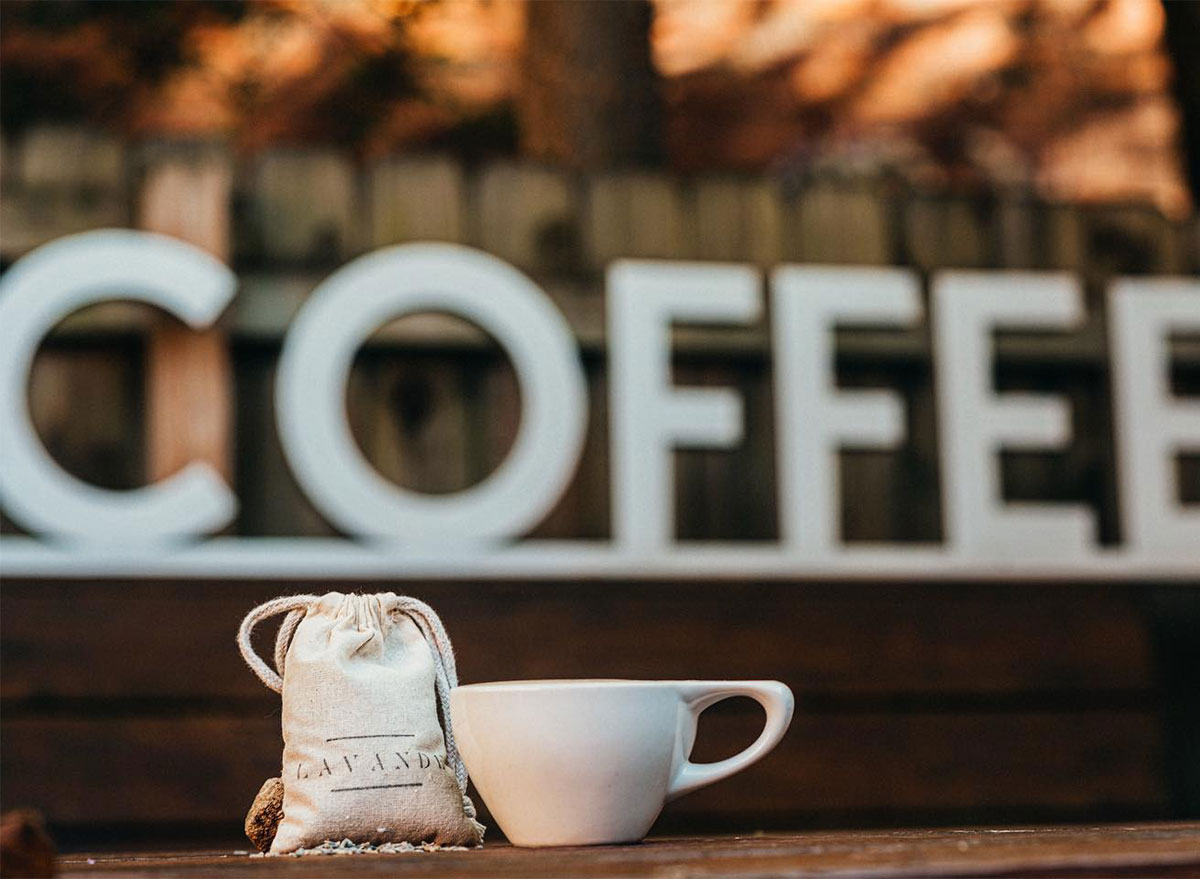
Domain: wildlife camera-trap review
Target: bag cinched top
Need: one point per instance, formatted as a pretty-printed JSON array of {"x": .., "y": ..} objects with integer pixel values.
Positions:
[{"x": 365, "y": 756}]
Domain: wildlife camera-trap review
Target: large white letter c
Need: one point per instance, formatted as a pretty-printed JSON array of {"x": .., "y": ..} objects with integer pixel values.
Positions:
[{"x": 35, "y": 294}]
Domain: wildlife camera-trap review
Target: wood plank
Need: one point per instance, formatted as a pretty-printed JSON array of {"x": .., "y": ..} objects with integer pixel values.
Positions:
[
  {"x": 60, "y": 180},
  {"x": 302, "y": 209},
  {"x": 763, "y": 222},
  {"x": 942, "y": 230},
  {"x": 207, "y": 768},
  {"x": 971, "y": 762},
  {"x": 416, "y": 198},
  {"x": 840, "y": 221},
  {"x": 738, "y": 220},
  {"x": 1190, "y": 234},
  {"x": 10, "y": 160},
  {"x": 637, "y": 216},
  {"x": 1065, "y": 240},
  {"x": 412, "y": 423},
  {"x": 729, "y": 494},
  {"x": 495, "y": 413},
  {"x": 270, "y": 501},
  {"x": 189, "y": 407},
  {"x": 31, "y": 218},
  {"x": 68, "y": 156},
  {"x": 1160, "y": 849},
  {"x": 831, "y": 643},
  {"x": 186, "y": 193},
  {"x": 584, "y": 510},
  {"x": 1018, "y": 224},
  {"x": 204, "y": 769},
  {"x": 887, "y": 495},
  {"x": 1081, "y": 473},
  {"x": 1175, "y": 621},
  {"x": 919, "y": 517},
  {"x": 86, "y": 406},
  {"x": 1131, "y": 240},
  {"x": 527, "y": 215}
]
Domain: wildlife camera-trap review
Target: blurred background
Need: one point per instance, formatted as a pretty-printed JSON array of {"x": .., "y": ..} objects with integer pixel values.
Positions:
[{"x": 288, "y": 136}]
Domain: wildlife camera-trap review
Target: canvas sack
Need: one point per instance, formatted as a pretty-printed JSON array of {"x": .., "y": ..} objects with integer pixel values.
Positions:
[{"x": 365, "y": 756}]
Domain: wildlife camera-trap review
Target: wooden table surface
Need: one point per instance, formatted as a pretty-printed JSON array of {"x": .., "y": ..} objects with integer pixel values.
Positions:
[{"x": 1158, "y": 849}]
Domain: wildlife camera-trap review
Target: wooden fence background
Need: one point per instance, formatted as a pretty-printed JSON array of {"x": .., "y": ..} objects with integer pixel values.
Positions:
[{"x": 127, "y": 714}]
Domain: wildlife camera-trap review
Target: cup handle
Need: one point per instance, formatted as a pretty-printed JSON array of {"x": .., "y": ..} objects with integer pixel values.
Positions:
[{"x": 775, "y": 698}]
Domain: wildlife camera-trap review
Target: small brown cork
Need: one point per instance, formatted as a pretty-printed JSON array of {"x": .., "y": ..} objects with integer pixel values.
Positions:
[
  {"x": 265, "y": 814},
  {"x": 25, "y": 848}
]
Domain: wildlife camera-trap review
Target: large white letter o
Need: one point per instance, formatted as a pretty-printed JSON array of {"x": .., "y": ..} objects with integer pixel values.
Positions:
[
  {"x": 315, "y": 365},
  {"x": 39, "y": 291}
]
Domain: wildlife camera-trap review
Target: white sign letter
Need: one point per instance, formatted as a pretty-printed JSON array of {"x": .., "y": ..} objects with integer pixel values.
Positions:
[
  {"x": 814, "y": 419},
  {"x": 1152, "y": 427},
  {"x": 315, "y": 365},
  {"x": 975, "y": 424},
  {"x": 38, "y": 292},
  {"x": 649, "y": 418}
]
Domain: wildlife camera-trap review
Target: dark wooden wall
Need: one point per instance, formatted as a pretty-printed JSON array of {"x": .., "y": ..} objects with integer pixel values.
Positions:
[
  {"x": 127, "y": 714},
  {"x": 127, "y": 710}
]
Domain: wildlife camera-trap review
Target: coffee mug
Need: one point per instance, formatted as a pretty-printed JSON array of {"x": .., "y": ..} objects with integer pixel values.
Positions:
[{"x": 582, "y": 762}]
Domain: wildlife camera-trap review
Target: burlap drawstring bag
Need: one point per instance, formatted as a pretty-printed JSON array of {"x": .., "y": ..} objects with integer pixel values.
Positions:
[{"x": 365, "y": 756}]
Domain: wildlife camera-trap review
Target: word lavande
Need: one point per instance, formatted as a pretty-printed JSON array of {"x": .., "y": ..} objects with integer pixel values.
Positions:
[
  {"x": 375, "y": 762},
  {"x": 158, "y": 530}
]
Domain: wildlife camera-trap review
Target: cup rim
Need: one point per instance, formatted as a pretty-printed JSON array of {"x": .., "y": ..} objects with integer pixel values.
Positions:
[{"x": 581, "y": 684}]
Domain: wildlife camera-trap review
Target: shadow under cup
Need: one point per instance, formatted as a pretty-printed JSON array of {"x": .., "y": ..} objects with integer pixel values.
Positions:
[{"x": 580, "y": 762}]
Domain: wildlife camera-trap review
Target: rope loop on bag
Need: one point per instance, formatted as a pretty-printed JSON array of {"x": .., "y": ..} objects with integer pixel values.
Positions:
[{"x": 295, "y": 605}]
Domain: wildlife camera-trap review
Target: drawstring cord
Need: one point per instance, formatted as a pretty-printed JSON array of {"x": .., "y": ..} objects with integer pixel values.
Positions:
[
  {"x": 422, "y": 615},
  {"x": 445, "y": 679},
  {"x": 283, "y": 639}
]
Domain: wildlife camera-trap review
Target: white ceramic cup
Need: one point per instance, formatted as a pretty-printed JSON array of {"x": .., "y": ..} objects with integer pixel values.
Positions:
[{"x": 582, "y": 762}]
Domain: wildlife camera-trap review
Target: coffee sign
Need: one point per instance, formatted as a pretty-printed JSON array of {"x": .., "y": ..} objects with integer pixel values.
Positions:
[{"x": 159, "y": 530}]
